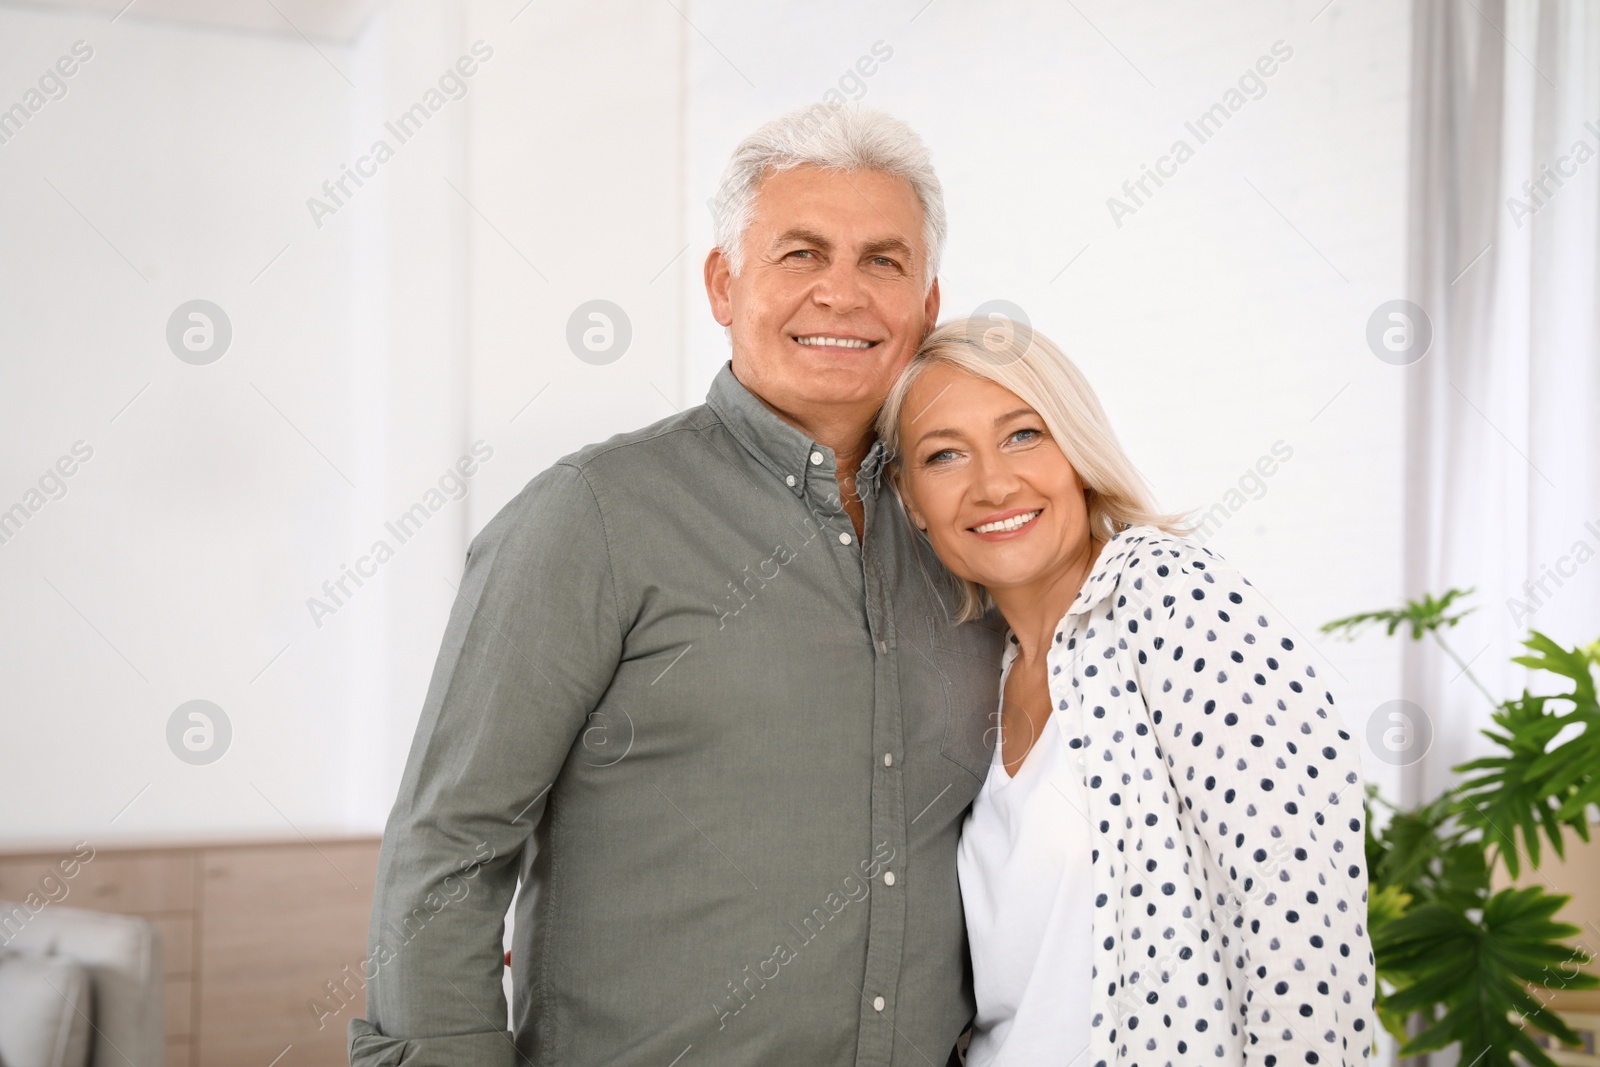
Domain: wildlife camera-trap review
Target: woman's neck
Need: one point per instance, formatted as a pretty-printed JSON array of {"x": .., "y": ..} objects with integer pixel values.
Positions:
[{"x": 1034, "y": 610}]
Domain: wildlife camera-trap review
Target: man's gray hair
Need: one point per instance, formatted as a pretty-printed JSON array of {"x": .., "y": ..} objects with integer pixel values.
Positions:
[{"x": 838, "y": 137}]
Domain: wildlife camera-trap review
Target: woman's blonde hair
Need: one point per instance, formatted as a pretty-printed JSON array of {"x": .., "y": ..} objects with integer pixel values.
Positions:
[{"x": 1018, "y": 358}]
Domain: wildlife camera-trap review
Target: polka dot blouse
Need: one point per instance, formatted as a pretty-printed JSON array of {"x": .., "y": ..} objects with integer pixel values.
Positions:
[{"x": 1229, "y": 882}]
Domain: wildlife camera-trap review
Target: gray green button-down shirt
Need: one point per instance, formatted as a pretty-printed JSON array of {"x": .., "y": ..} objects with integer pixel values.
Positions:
[{"x": 725, "y": 747}]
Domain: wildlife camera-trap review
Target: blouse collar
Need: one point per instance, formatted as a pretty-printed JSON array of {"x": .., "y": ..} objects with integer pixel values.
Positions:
[{"x": 1101, "y": 583}]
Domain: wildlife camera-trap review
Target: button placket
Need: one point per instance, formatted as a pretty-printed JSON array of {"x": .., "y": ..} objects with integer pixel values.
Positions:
[{"x": 886, "y": 910}]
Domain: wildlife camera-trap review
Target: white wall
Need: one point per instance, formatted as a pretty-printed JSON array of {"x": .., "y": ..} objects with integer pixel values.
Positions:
[
  {"x": 365, "y": 360},
  {"x": 1212, "y": 325},
  {"x": 427, "y": 313}
]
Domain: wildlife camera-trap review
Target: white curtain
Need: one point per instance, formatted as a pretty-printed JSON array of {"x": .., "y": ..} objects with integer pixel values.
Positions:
[{"x": 1503, "y": 435}]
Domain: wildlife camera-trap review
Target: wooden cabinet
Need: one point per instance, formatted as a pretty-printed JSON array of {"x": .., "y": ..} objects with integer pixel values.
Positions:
[
  {"x": 262, "y": 943},
  {"x": 1579, "y": 876},
  {"x": 278, "y": 925}
]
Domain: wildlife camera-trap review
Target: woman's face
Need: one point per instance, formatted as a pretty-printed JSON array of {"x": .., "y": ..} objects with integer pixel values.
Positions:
[{"x": 981, "y": 473}]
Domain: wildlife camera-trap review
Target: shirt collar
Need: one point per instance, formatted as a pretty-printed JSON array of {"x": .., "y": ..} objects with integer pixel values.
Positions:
[
  {"x": 1107, "y": 569},
  {"x": 778, "y": 446},
  {"x": 1100, "y": 584}
]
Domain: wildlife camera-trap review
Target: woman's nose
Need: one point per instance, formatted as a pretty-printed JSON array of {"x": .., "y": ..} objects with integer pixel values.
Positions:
[{"x": 993, "y": 478}]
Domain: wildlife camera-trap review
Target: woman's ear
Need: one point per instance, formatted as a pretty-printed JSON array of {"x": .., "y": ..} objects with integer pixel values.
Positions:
[{"x": 898, "y": 480}]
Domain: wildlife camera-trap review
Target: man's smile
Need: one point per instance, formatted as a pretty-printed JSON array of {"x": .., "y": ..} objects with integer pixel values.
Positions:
[{"x": 824, "y": 340}]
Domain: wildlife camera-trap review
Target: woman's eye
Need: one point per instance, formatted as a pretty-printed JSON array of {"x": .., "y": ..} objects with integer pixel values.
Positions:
[
  {"x": 1025, "y": 435},
  {"x": 944, "y": 455}
]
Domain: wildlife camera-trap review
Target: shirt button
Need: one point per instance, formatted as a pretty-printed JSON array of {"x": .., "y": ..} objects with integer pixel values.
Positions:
[
  {"x": 877, "y": 1003},
  {"x": 816, "y": 459},
  {"x": 888, "y": 878},
  {"x": 888, "y": 759},
  {"x": 844, "y": 539},
  {"x": 788, "y": 480}
]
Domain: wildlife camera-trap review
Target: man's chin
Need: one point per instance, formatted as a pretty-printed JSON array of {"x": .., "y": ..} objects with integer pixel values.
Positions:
[{"x": 829, "y": 368}]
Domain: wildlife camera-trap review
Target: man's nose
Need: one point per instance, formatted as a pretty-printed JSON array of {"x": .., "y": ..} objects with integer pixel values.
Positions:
[{"x": 840, "y": 288}]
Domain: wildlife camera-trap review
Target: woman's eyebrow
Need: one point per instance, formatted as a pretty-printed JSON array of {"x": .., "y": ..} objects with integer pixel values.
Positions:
[
  {"x": 936, "y": 433},
  {"x": 1000, "y": 420}
]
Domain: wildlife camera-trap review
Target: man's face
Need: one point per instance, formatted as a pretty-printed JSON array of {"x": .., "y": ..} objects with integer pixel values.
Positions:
[{"x": 833, "y": 299}]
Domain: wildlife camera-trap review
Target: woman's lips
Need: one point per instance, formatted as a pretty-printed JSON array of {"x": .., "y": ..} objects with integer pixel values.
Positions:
[{"x": 1007, "y": 525}]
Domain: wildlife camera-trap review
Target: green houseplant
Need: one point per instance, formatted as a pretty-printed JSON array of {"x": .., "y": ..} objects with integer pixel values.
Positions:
[{"x": 1457, "y": 961}]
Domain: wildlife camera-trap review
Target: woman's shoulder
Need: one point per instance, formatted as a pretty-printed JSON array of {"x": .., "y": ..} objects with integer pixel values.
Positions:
[
  {"x": 1147, "y": 562},
  {"x": 1146, "y": 547}
]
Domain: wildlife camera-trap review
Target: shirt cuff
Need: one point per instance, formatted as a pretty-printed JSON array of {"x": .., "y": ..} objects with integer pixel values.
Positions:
[{"x": 489, "y": 1048}]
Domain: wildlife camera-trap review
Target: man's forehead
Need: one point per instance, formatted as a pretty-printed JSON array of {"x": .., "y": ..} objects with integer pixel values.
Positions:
[
  {"x": 834, "y": 205},
  {"x": 815, "y": 196}
]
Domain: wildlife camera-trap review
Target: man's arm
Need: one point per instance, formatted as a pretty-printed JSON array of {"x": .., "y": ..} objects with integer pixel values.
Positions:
[{"x": 533, "y": 641}]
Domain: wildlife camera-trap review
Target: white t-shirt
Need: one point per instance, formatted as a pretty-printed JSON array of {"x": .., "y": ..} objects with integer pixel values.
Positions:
[{"x": 1024, "y": 864}]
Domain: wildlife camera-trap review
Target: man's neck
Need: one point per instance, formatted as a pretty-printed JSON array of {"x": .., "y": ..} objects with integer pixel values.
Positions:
[{"x": 849, "y": 433}]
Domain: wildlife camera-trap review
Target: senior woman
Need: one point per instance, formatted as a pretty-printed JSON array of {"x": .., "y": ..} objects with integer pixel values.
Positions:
[{"x": 1165, "y": 863}]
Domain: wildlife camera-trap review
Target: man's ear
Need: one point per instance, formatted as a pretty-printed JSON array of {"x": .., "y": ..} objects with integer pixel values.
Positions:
[
  {"x": 930, "y": 307},
  {"x": 718, "y": 280}
]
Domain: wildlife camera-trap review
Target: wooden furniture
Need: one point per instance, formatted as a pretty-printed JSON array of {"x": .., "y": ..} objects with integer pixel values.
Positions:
[
  {"x": 1578, "y": 875},
  {"x": 262, "y": 942},
  {"x": 1582, "y": 1017}
]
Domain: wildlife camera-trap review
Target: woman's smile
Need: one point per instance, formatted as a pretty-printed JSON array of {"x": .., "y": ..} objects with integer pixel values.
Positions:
[
  {"x": 1007, "y": 524},
  {"x": 1111, "y": 737}
]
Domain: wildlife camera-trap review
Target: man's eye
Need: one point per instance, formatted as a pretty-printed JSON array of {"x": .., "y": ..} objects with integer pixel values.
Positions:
[
  {"x": 884, "y": 261},
  {"x": 802, "y": 252}
]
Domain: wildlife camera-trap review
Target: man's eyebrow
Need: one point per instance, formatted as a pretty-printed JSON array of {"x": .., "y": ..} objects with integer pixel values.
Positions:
[
  {"x": 804, "y": 236},
  {"x": 887, "y": 244}
]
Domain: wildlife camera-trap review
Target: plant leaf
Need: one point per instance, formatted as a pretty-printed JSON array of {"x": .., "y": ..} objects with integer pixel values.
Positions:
[{"x": 1470, "y": 977}]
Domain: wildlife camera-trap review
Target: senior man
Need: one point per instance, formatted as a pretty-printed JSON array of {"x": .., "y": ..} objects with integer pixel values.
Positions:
[{"x": 702, "y": 694}]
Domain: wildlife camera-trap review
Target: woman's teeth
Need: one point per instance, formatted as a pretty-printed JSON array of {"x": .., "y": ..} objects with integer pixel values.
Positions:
[
  {"x": 1015, "y": 522},
  {"x": 835, "y": 342}
]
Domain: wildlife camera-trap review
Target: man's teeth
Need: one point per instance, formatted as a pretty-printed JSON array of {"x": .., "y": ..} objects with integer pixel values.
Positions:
[
  {"x": 837, "y": 342},
  {"x": 1015, "y": 522}
]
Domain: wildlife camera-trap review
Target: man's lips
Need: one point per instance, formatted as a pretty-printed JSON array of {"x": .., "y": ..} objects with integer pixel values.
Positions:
[
  {"x": 834, "y": 340},
  {"x": 1004, "y": 525}
]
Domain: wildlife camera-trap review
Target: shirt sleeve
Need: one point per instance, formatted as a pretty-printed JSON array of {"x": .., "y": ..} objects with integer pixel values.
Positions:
[
  {"x": 533, "y": 640},
  {"x": 1271, "y": 780}
]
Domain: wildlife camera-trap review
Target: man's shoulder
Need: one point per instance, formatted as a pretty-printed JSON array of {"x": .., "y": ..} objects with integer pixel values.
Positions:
[
  {"x": 662, "y": 439},
  {"x": 625, "y": 463}
]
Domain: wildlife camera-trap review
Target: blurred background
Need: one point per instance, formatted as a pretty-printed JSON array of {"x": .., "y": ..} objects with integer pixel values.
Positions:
[{"x": 282, "y": 281}]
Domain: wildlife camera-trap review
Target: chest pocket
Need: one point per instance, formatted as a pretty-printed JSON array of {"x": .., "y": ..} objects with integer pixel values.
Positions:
[{"x": 966, "y": 657}]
